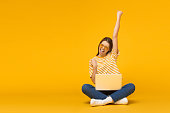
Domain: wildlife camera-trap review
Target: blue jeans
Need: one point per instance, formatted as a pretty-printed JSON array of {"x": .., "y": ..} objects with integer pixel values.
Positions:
[{"x": 116, "y": 95}]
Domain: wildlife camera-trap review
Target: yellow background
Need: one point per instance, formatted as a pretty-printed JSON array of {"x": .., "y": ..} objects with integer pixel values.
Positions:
[{"x": 45, "y": 48}]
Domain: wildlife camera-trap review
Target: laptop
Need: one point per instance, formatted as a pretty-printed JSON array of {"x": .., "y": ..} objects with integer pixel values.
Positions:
[{"x": 108, "y": 81}]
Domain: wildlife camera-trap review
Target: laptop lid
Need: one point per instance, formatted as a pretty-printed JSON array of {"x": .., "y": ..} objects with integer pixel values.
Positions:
[{"x": 108, "y": 81}]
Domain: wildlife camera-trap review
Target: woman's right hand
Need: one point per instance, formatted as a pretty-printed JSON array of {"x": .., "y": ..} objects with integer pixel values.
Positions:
[{"x": 94, "y": 63}]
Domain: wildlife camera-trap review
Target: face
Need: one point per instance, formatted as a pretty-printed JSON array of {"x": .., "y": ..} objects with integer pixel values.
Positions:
[{"x": 103, "y": 48}]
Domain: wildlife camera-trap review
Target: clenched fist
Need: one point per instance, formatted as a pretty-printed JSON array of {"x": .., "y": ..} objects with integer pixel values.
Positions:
[{"x": 94, "y": 63}]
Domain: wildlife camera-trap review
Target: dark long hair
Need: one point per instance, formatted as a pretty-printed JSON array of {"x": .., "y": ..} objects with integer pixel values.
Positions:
[{"x": 109, "y": 40}]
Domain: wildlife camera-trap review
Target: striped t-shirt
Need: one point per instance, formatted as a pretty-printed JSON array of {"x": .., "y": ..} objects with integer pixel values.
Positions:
[{"x": 106, "y": 64}]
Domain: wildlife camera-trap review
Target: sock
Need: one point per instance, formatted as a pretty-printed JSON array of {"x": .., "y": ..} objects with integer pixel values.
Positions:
[
  {"x": 108, "y": 100},
  {"x": 122, "y": 101},
  {"x": 95, "y": 102}
]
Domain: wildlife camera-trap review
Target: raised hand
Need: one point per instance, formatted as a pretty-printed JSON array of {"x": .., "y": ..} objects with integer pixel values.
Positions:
[{"x": 119, "y": 13}]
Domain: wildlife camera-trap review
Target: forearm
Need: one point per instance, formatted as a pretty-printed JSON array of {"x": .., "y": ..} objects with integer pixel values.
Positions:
[
  {"x": 117, "y": 26},
  {"x": 93, "y": 74}
]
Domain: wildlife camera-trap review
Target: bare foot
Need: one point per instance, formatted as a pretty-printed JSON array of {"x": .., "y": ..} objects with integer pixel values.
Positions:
[{"x": 119, "y": 13}]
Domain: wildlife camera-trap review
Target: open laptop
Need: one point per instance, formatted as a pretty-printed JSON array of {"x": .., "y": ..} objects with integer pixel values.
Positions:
[{"x": 108, "y": 81}]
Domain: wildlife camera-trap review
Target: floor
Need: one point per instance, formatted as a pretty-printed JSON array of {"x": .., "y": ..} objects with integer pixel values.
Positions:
[{"x": 79, "y": 103}]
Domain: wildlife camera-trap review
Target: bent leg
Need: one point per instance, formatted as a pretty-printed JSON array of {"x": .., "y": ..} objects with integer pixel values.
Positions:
[
  {"x": 125, "y": 91},
  {"x": 91, "y": 92}
]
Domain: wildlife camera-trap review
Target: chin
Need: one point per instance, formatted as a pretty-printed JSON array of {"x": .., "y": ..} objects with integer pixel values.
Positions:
[{"x": 103, "y": 54}]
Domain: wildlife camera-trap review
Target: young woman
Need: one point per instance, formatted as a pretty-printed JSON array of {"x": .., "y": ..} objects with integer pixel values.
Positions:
[{"x": 105, "y": 63}]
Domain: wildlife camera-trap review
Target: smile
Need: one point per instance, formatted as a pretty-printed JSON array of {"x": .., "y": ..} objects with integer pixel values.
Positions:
[{"x": 101, "y": 50}]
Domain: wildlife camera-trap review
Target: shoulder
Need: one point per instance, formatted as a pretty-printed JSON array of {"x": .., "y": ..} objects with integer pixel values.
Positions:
[{"x": 95, "y": 58}]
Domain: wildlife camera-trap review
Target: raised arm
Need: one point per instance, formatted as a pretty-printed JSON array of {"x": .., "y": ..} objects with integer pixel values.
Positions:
[{"x": 116, "y": 30}]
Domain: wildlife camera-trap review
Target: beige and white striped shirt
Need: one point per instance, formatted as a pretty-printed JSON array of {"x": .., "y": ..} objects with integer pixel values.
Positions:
[{"x": 106, "y": 64}]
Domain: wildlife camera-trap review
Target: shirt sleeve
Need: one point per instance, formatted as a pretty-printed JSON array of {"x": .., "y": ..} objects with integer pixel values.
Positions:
[
  {"x": 90, "y": 68},
  {"x": 114, "y": 54}
]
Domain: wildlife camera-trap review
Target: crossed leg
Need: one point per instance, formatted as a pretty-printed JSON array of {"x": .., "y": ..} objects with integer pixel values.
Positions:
[
  {"x": 125, "y": 91},
  {"x": 91, "y": 92}
]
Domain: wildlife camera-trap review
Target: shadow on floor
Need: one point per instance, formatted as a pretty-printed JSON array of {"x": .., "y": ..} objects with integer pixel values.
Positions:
[
  {"x": 130, "y": 101},
  {"x": 87, "y": 102}
]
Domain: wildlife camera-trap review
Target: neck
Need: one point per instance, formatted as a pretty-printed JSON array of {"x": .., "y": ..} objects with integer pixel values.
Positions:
[{"x": 101, "y": 55}]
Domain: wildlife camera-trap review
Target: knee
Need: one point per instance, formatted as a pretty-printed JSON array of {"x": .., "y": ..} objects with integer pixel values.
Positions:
[
  {"x": 85, "y": 88},
  {"x": 132, "y": 86}
]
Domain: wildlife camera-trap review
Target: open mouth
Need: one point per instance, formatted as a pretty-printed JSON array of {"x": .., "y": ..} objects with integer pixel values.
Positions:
[{"x": 101, "y": 50}]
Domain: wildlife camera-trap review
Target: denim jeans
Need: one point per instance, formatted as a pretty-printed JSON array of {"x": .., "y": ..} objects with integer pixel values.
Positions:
[{"x": 116, "y": 95}]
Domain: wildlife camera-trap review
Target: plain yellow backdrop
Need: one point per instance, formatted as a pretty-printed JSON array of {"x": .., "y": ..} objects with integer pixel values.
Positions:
[{"x": 45, "y": 46}]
